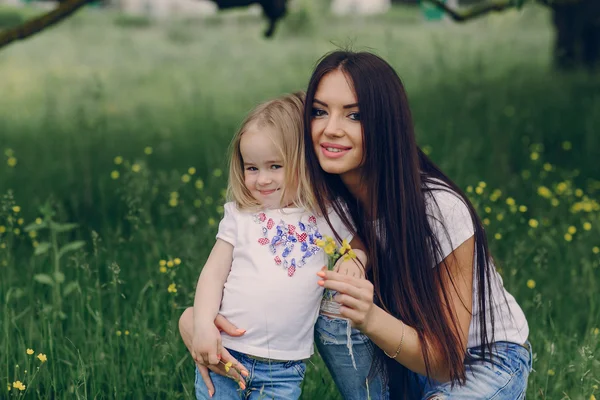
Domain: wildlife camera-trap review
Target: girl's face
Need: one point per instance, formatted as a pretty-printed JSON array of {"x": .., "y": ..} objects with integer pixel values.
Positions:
[
  {"x": 336, "y": 128},
  {"x": 264, "y": 170}
]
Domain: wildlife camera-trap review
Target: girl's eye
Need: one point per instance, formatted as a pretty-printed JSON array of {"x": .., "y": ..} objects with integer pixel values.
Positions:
[
  {"x": 251, "y": 169},
  {"x": 317, "y": 112},
  {"x": 276, "y": 166},
  {"x": 354, "y": 116}
]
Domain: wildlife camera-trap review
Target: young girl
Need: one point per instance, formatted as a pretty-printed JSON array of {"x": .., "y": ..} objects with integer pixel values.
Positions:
[{"x": 261, "y": 272}]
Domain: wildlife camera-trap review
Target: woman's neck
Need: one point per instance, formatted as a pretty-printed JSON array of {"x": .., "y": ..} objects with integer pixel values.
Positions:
[{"x": 354, "y": 183}]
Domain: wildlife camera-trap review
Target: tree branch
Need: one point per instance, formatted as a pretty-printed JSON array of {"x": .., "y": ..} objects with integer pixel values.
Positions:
[
  {"x": 474, "y": 11},
  {"x": 30, "y": 28}
]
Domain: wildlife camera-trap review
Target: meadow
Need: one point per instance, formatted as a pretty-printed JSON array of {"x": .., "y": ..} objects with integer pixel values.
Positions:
[{"x": 113, "y": 139}]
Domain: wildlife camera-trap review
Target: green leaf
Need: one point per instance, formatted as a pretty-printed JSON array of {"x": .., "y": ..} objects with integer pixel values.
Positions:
[
  {"x": 35, "y": 226},
  {"x": 43, "y": 278},
  {"x": 59, "y": 277},
  {"x": 59, "y": 228},
  {"x": 70, "y": 247},
  {"x": 42, "y": 248},
  {"x": 71, "y": 287}
]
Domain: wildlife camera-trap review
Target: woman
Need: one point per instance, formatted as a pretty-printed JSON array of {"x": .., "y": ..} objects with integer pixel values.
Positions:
[{"x": 433, "y": 314}]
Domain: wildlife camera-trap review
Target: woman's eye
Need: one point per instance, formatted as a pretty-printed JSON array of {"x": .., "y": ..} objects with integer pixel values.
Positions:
[
  {"x": 354, "y": 116},
  {"x": 317, "y": 112}
]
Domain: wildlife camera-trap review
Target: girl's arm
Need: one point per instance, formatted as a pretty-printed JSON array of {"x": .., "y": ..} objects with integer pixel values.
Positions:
[
  {"x": 394, "y": 336},
  {"x": 209, "y": 292}
]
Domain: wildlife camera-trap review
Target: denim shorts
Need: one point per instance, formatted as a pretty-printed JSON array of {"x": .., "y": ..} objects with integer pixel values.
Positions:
[
  {"x": 267, "y": 380},
  {"x": 503, "y": 379}
]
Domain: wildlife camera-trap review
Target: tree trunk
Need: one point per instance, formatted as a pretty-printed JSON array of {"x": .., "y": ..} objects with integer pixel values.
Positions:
[{"x": 577, "y": 40}]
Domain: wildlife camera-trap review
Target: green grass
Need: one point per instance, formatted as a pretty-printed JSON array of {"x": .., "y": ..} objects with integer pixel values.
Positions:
[{"x": 101, "y": 86}]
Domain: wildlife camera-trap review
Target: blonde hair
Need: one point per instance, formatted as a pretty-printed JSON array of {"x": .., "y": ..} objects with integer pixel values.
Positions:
[{"x": 284, "y": 116}]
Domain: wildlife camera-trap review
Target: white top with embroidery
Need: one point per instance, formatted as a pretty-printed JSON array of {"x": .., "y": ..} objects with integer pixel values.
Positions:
[{"x": 272, "y": 289}]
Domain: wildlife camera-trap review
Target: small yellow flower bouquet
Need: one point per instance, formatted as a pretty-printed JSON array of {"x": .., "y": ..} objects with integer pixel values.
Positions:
[{"x": 333, "y": 255}]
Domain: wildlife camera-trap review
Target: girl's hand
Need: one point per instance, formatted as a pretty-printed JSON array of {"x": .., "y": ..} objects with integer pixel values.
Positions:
[
  {"x": 228, "y": 366},
  {"x": 352, "y": 267},
  {"x": 206, "y": 344},
  {"x": 354, "y": 294}
]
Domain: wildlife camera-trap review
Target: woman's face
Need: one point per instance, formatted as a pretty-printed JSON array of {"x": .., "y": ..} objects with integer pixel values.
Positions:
[{"x": 336, "y": 128}]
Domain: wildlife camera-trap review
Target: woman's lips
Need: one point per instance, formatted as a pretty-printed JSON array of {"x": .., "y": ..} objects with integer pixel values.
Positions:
[{"x": 331, "y": 150}]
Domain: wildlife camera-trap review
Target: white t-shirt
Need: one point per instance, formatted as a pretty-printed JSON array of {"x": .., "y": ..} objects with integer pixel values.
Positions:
[
  {"x": 272, "y": 289},
  {"x": 510, "y": 323}
]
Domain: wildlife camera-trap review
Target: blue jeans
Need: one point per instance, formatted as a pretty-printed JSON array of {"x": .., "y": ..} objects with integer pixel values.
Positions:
[
  {"x": 267, "y": 380},
  {"x": 506, "y": 379},
  {"x": 331, "y": 339}
]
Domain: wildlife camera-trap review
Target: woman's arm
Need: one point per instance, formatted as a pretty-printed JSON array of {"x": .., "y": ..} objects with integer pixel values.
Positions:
[{"x": 388, "y": 332}]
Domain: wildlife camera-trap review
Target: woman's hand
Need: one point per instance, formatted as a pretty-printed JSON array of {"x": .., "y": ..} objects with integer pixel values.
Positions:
[{"x": 354, "y": 294}]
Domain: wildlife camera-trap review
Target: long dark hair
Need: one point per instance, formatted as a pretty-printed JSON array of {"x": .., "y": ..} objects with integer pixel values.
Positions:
[{"x": 402, "y": 247}]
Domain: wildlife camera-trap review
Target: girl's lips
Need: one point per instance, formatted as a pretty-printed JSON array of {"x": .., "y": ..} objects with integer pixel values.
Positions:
[
  {"x": 341, "y": 150},
  {"x": 267, "y": 192}
]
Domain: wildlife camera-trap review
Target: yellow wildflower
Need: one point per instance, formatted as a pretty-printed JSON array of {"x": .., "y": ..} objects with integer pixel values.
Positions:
[
  {"x": 148, "y": 150},
  {"x": 20, "y": 221},
  {"x": 329, "y": 249},
  {"x": 211, "y": 221},
  {"x": 12, "y": 161},
  {"x": 547, "y": 167},
  {"x": 199, "y": 184},
  {"x": 17, "y": 231},
  {"x": 533, "y": 223},
  {"x": 561, "y": 187},
  {"x": 197, "y": 203},
  {"x": 126, "y": 333},
  {"x": 510, "y": 201},
  {"x": 2, "y": 229},
  {"x": 522, "y": 208},
  {"x": 16, "y": 209},
  {"x": 488, "y": 209},
  {"x": 35, "y": 243},
  {"x": 534, "y": 155},
  {"x": 191, "y": 170},
  {"x": 163, "y": 269},
  {"x": 228, "y": 366},
  {"x": 531, "y": 284},
  {"x": 500, "y": 217},
  {"x": 42, "y": 357},
  {"x": 592, "y": 397},
  {"x": 30, "y": 351},
  {"x": 572, "y": 230},
  {"x": 185, "y": 178},
  {"x": 596, "y": 331},
  {"x": 566, "y": 145},
  {"x": 595, "y": 249},
  {"x": 173, "y": 202},
  {"x": 554, "y": 202},
  {"x": 162, "y": 263},
  {"x": 469, "y": 189},
  {"x": 19, "y": 385},
  {"x": 217, "y": 172},
  {"x": 578, "y": 192},
  {"x": 9, "y": 387},
  {"x": 136, "y": 168},
  {"x": 176, "y": 261},
  {"x": 208, "y": 200},
  {"x": 544, "y": 192},
  {"x": 32, "y": 234},
  {"x": 345, "y": 247},
  {"x": 551, "y": 372},
  {"x": 486, "y": 221},
  {"x": 482, "y": 184},
  {"x": 568, "y": 237},
  {"x": 38, "y": 221},
  {"x": 118, "y": 160},
  {"x": 170, "y": 264},
  {"x": 479, "y": 190},
  {"x": 320, "y": 243},
  {"x": 498, "y": 236},
  {"x": 350, "y": 255},
  {"x": 172, "y": 288},
  {"x": 115, "y": 174},
  {"x": 119, "y": 333}
]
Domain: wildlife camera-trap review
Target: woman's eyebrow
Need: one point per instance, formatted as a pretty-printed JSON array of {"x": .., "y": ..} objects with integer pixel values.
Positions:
[{"x": 345, "y": 106}]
